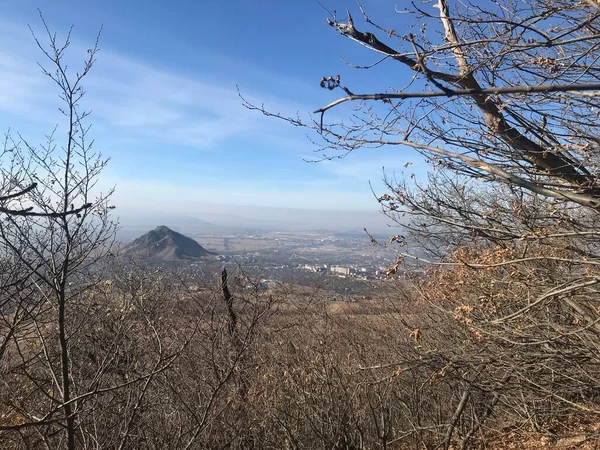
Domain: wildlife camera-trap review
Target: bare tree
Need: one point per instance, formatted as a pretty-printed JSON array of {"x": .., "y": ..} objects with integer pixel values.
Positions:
[
  {"x": 501, "y": 99},
  {"x": 97, "y": 352},
  {"x": 512, "y": 99},
  {"x": 55, "y": 231}
]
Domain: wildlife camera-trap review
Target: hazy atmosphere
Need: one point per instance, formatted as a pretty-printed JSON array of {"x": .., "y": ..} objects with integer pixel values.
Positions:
[
  {"x": 166, "y": 110},
  {"x": 300, "y": 225}
]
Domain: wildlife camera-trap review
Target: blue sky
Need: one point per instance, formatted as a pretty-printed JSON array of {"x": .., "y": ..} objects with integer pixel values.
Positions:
[{"x": 165, "y": 106}]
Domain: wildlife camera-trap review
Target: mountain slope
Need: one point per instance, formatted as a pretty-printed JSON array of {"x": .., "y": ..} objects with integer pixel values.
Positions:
[{"x": 167, "y": 245}]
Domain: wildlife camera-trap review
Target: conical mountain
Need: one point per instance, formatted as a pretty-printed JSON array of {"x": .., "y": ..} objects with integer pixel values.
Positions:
[{"x": 167, "y": 245}]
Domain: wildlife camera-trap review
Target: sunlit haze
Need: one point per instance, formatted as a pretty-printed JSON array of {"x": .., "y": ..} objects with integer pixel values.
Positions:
[{"x": 165, "y": 104}]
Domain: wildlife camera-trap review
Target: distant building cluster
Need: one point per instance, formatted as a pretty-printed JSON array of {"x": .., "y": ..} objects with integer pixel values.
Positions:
[
  {"x": 341, "y": 270},
  {"x": 337, "y": 270},
  {"x": 363, "y": 273},
  {"x": 315, "y": 268}
]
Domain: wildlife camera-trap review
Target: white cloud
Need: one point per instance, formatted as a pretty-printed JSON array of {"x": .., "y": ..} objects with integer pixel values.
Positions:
[
  {"x": 137, "y": 98},
  {"x": 134, "y": 99},
  {"x": 134, "y": 103}
]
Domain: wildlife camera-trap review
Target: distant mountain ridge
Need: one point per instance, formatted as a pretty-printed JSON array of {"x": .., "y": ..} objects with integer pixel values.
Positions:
[{"x": 167, "y": 245}]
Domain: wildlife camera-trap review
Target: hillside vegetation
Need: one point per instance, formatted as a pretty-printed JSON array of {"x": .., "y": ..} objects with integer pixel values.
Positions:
[{"x": 496, "y": 344}]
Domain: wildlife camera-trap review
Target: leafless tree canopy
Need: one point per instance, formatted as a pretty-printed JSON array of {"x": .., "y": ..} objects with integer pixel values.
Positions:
[
  {"x": 501, "y": 99},
  {"x": 504, "y": 91},
  {"x": 499, "y": 337}
]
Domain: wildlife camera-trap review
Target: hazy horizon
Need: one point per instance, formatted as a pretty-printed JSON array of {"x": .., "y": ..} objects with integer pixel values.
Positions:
[
  {"x": 165, "y": 106},
  {"x": 223, "y": 217}
]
